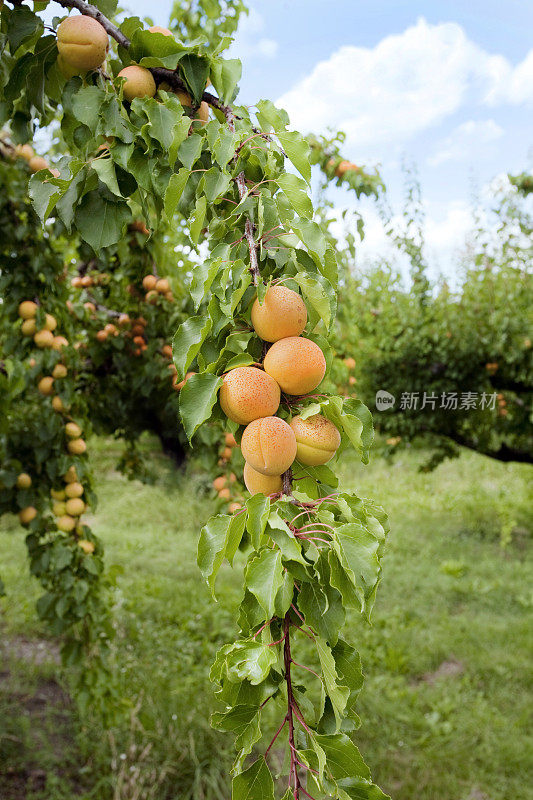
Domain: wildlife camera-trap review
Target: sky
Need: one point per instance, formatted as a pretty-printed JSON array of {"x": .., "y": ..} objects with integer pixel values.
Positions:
[{"x": 447, "y": 86}]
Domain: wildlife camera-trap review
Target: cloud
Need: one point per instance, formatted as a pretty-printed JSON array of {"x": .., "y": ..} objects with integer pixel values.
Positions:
[
  {"x": 472, "y": 138},
  {"x": 407, "y": 83},
  {"x": 248, "y": 41}
]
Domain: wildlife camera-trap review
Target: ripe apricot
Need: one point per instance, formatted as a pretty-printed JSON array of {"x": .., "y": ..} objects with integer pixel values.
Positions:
[
  {"x": 28, "y": 327},
  {"x": 269, "y": 445},
  {"x": 59, "y": 342},
  {"x": 203, "y": 113},
  {"x": 46, "y": 386},
  {"x": 27, "y": 514},
  {"x": 149, "y": 282},
  {"x": 124, "y": 320},
  {"x": 43, "y": 338},
  {"x": 350, "y": 362},
  {"x": 24, "y": 151},
  {"x": 23, "y": 481},
  {"x": 66, "y": 523},
  {"x": 74, "y": 489},
  {"x": 167, "y": 351},
  {"x": 82, "y": 42},
  {"x": 101, "y": 336},
  {"x": 224, "y": 494},
  {"x": 37, "y": 163},
  {"x": 75, "y": 506},
  {"x": 50, "y": 322},
  {"x": 230, "y": 441},
  {"x": 343, "y": 167},
  {"x": 282, "y": 314},
  {"x": 151, "y": 297},
  {"x": 27, "y": 309},
  {"x": 57, "y": 403},
  {"x": 248, "y": 393},
  {"x": 76, "y": 447},
  {"x": 226, "y": 453},
  {"x": 72, "y": 430},
  {"x": 296, "y": 364},
  {"x": 317, "y": 439},
  {"x": 70, "y": 475},
  {"x": 86, "y": 546},
  {"x": 159, "y": 29},
  {"x": 233, "y": 507},
  {"x": 59, "y": 371},
  {"x": 162, "y": 286},
  {"x": 219, "y": 482},
  {"x": 256, "y": 483},
  {"x": 139, "y": 82}
]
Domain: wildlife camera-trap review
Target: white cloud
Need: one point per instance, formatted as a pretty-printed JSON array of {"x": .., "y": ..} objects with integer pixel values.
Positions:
[
  {"x": 472, "y": 138},
  {"x": 407, "y": 83},
  {"x": 248, "y": 41}
]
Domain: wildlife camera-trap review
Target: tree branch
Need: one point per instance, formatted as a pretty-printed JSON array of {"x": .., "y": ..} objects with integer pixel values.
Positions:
[
  {"x": 249, "y": 232},
  {"x": 504, "y": 453}
]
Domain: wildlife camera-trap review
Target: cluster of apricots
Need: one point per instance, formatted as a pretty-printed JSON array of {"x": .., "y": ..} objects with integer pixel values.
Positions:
[
  {"x": 251, "y": 396},
  {"x": 157, "y": 287},
  {"x": 502, "y": 403},
  {"x": 35, "y": 162},
  {"x": 86, "y": 281},
  {"x": 83, "y": 45},
  {"x": 225, "y": 485},
  {"x": 44, "y": 336},
  {"x": 342, "y": 167}
]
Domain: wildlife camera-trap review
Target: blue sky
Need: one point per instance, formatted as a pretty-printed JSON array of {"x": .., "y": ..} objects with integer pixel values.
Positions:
[{"x": 447, "y": 85}]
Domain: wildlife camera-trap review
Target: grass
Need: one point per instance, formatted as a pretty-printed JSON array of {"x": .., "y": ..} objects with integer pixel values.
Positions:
[{"x": 444, "y": 707}]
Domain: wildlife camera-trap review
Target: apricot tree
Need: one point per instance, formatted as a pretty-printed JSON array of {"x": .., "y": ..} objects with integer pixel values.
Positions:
[{"x": 311, "y": 550}]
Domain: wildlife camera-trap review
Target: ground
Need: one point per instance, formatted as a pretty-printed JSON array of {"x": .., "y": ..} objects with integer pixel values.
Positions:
[{"x": 444, "y": 708}]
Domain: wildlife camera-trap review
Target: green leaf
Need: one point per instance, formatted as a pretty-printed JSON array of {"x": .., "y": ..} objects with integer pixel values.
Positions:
[
  {"x": 225, "y": 75},
  {"x": 263, "y": 577},
  {"x": 212, "y": 547},
  {"x": 22, "y": 24},
  {"x": 187, "y": 341},
  {"x": 216, "y": 184},
  {"x": 343, "y": 759},
  {"x": 336, "y": 693},
  {"x": 175, "y": 189},
  {"x": 255, "y": 783},
  {"x": 320, "y": 295},
  {"x": 295, "y": 190},
  {"x": 196, "y": 226},
  {"x": 270, "y": 117},
  {"x": 354, "y": 418},
  {"x": 189, "y": 151},
  {"x": 322, "y": 609},
  {"x": 196, "y": 71},
  {"x": 161, "y": 118},
  {"x": 105, "y": 169},
  {"x": 197, "y": 399},
  {"x": 101, "y": 222},
  {"x": 243, "y": 722},
  {"x": 203, "y": 276},
  {"x": 298, "y": 151},
  {"x": 86, "y": 104},
  {"x": 258, "y": 507}
]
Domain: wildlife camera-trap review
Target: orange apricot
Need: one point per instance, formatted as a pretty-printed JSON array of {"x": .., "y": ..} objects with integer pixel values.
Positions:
[
  {"x": 27, "y": 514},
  {"x": 317, "y": 439},
  {"x": 149, "y": 282},
  {"x": 282, "y": 314},
  {"x": 257, "y": 483},
  {"x": 82, "y": 42},
  {"x": 159, "y": 29},
  {"x": 296, "y": 364},
  {"x": 269, "y": 445},
  {"x": 219, "y": 482},
  {"x": 27, "y": 309},
  {"x": 248, "y": 393},
  {"x": 139, "y": 82}
]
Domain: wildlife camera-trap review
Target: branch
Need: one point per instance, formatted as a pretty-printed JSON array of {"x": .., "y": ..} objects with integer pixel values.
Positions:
[
  {"x": 249, "y": 232},
  {"x": 504, "y": 453},
  {"x": 287, "y": 481},
  {"x": 92, "y": 11}
]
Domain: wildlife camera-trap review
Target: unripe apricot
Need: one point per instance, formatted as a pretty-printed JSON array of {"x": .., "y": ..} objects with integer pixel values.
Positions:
[
  {"x": 72, "y": 430},
  {"x": 50, "y": 322},
  {"x": 59, "y": 371},
  {"x": 59, "y": 342},
  {"x": 159, "y": 29},
  {"x": 350, "y": 362},
  {"x": 23, "y": 481},
  {"x": 37, "y": 163},
  {"x": 139, "y": 82},
  {"x": 82, "y": 42},
  {"x": 27, "y": 514},
  {"x": 76, "y": 447},
  {"x": 46, "y": 386},
  {"x": 28, "y": 327},
  {"x": 27, "y": 309},
  {"x": 247, "y": 394},
  {"x": 57, "y": 494},
  {"x": 59, "y": 508},
  {"x": 233, "y": 507},
  {"x": 86, "y": 546},
  {"x": 282, "y": 314},
  {"x": 75, "y": 506},
  {"x": 162, "y": 286},
  {"x": 219, "y": 482},
  {"x": 256, "y": 483},
  {"x": 57, "y": 403},
  {"x": 24, "y": 151},
  {"x": 74, "y": 489},
  {"x": 269, "y": 445},
  {"x": 230, "y": 440},
  {"x": 66, "y": 523},
  {"x": 149, "y": 282},
  {"x": 296, "y": 364},
  {"x": 317, "y": 439},
  {"x": 203, "y": 113},
  {"x": 70, "y": 475},
  {"x": 43, "y": 338}
]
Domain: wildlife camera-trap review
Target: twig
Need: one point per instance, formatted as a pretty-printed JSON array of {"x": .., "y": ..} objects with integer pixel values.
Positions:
[
  {"x": 249, "y": 232},
  {"x": 92, "y": 11}
]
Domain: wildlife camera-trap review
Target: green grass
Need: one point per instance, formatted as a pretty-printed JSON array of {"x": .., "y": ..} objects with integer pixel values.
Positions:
[{"x": 451, "y": 597}]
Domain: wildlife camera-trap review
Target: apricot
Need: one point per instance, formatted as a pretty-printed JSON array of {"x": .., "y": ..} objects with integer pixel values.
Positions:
[
  {"x": 70, "y": 475},
  {"x": 76, "y": 447},
  {"x": 317, "y": 439},
  {"x": 269, "y": 445},
  {"x": 256, "y": 483},
  {"x": 124, "y": 320},
  {"x": 350, "y": 362},
  {"x": 230, "y": 440},
  {"x": 86, "y": 546},
  {"x": 232, "y": 477},
  {"x": 46, "y": 386},
  {"x": 28, "y": 327},
  {"x": 86, "y": 281},
  {"x": 166, "y": 350},
  {"x": 248, "y": 393},
  {"x": 27, "y": 514},
  {"x": 151, "y": 297},
  {"x": 72, "y": 430},
  {"x": 224, "y": 494},
  {"x": 184, "y": 98},
  {"x": 219, "y": 483},
  {"x": 76, "y": 282},
  {"x": 27, "y": 309},
  {"x": 162, "y": 286},
  {"x": 352, "y": 381},
  {"x": 24, "y": 151},
  {"x": 59, "y": 371},
  {"x": 226, "y": 453},
  {"x": 282, "y": 314},
  {"x": 234, "y": 507},
  {"x": 203, "y": 113},
  {"x": 59, "y": 508},
  {"x": 74, "y": 489},
  {"x": 59, "y": 342},
  {"x": 159, "y": 29},
  {"x": 66, "y": 523},
  {"x": 50, "y": 322},
  {"x": 57, "y": 494},
  {"x": 101, "y": 336},
  {"x": 149, "y": 282},
  {"x": 57, "y": 403},
  {"x": 139, "y": 82},
  {"x": 82, "y": 43},
  {"x": 37, "y": 163},
  {"x": 43, "y": 338},
  {"x": 343, "y": 167},
  {"x": 23, "y": 481},
  {"x": 296, "y": 364},
  {"x": 75, "y": 506}
]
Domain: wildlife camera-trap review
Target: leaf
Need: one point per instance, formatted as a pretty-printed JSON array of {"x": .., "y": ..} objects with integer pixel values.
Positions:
[
  {"x": 22, "y": 24},
  {"x": 250, "y": 661},
  {"x": 196, "y": 226},
  {"x": 101, "y": 222},
  {"x": 298, "y": 151},
  {"x": 197, "y": 399},
  {"x": 255, "y": 783},
  {"x": 86, "y": 104},
  {"x": 225, "y": 75},
  {"x": 258, "y": 507},
  {"x": 354, "y": 418},
  {"x": 216, "y": 184},
  {"x": 269, "y": 116},
  {"x": 295, "y": 190},
  {"x": 343, "y": 759},
  {"x": 105, "y": 169},
  {"x": 187, "y": 341},
  {"x": 174, "y": 191},
  {"x": 322, "y": 609},
  {"x": 337, "y": 694},
  {"x": 189, "y": 151},
  {"x": 243, "y": 722},
  {"x": 357, "y": 550},
  {"x": 263, "y": 577},
  {"x": 320, "y": 295},
  {"x": 203, "y": 276},
  {"x": 218, "y": 538},
  {"x": 196, "y": 71},
  {"x": 161, "y": 117}
]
